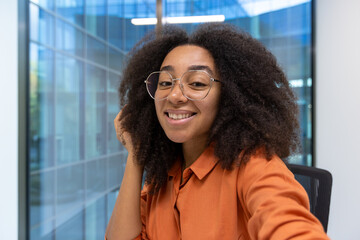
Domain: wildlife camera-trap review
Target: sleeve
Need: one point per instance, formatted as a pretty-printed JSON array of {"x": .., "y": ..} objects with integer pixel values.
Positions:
[
  {"x": 275, "y": 204},
  {"x": 143, "y": 206}
]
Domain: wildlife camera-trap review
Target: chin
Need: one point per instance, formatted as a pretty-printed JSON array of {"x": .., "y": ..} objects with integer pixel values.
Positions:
[{"x": 176, "y": 138}]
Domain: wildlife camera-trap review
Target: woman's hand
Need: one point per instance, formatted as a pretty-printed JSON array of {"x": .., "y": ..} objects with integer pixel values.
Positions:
[{"x": 122, "y": 135}]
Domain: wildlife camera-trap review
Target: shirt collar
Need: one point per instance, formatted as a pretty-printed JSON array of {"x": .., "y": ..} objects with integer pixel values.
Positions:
[
  {"x": 201, "y": 167},
  {"x": 205, "y": 163}
]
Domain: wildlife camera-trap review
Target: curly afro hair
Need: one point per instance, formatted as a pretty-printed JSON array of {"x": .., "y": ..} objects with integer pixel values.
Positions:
[{"x": 257, "y": 108}]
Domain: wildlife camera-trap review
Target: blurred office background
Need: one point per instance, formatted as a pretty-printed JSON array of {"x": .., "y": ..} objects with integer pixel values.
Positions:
[{"x": 67, "y": 163}]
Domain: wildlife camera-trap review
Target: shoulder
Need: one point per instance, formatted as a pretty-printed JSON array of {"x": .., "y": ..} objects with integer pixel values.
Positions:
[
  {"x": 274, "y": 203},
  {"x": 261, "y": 179},
  {"x": 259, "y": 165},
  {"x": 267, "y": 176}
]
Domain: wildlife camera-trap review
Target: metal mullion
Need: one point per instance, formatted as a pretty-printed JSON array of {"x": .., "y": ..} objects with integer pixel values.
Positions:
[
  {"x": 107, "y": 29},
  {"x": 77, "y": 58},
  {"x": 72, "y": 164},
  {"x": 91, "y": 200},
  {"x": 23, "y": 125},
  {"x": 54, "y": 129},
  {"x": 158, "y": 17},
  {"x": 54, "y": 95},
  {"x": 107, "y": 21},
  {"x": 114, "y": 188},
  {"x": 123, "y": 25},
  {"x": 83, "y": 86},
  {"x": 53, "y": 218},
  {"x": 313, "y": 85},
  {"x": 107, "y": 43},
  {"x": 106, "y": 76},
  {"x": 84, "y": 160}
]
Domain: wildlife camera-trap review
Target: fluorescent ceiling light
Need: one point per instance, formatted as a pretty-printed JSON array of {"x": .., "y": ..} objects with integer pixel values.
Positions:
[
  {"x": 177, "y": 20},
  {"x": 144, "y": 21}
]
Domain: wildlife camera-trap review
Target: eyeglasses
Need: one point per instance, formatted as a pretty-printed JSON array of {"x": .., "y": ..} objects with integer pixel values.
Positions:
[{"x": 194, "y": 84}]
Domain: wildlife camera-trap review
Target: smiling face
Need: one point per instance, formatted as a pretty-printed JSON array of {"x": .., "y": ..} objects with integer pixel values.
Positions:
[{"x": 183, "y": 120}]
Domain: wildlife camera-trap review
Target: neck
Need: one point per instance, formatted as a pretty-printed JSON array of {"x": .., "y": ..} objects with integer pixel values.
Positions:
[{"x": 192, "y": 150}]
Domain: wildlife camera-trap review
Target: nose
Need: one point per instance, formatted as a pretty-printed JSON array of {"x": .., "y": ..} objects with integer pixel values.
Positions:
[{"x": 176, "y": 95}]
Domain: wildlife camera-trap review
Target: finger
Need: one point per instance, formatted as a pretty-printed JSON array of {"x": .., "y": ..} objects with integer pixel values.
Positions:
[
  {"x": 117, "y": 118},
  {"x": 120, "y": 133},
  {"x": 122, "y": 140}
]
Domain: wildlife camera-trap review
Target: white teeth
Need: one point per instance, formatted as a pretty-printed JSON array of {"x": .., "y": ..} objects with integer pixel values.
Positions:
[{"x": 179, "y": 116}]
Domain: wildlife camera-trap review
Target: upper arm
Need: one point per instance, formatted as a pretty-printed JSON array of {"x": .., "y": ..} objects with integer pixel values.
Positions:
[{"x": 276, "y": 205}]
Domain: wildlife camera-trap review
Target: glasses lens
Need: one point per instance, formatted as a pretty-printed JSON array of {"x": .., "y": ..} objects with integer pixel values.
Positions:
[
  {"x": 196, "y": 84},
  {"x": 159, "y": 85}
]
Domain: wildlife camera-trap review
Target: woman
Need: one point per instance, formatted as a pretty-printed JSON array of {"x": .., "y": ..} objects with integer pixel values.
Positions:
[{"x": 208, "y": 118}]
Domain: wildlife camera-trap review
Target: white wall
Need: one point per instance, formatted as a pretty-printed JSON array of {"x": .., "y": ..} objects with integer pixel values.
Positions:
[
  {"x": 338, "y": 110},
  {"x": 8, "y": 120}
]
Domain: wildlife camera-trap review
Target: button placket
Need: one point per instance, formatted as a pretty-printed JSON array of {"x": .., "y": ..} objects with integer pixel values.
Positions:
[{"x": 176, "y": 191}]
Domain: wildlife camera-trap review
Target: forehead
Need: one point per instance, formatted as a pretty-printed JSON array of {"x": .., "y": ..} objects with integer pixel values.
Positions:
[{"x": 182, "y": 57}]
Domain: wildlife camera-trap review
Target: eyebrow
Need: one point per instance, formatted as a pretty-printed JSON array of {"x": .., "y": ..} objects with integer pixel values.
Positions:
[
  {"x": 192, "y": 67},
  {"x": 167, "y": 68}
]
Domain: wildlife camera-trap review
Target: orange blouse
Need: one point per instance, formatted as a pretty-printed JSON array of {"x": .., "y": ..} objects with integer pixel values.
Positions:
[{"x": 257, "y": 200}]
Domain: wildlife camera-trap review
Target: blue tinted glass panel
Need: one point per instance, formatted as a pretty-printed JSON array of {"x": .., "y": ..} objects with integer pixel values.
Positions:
[
  {"x": 287, "y": 34},
  {"x": 95, "y": 221},
  {"x": 96, "y": 17},
  {"x": 70, "y": 188},
  {"x": 48, "y": 4},
  {"x": 41, "y": 26},
  {"x": 113, "y": 109},
  {"x": 116, "y": 59},
  {"x": 95, "y": 112},
  {"x": 130, "y": 34},
  {"x": 95, "y": 181},
  {"x": 96, "y": 51},
  {"x": 69, "y": 80},
  {"x": 69, "y": 39},
  {"x": 134, "y": 33},
  {"x": 72, "y": 11},
  {"x": 41, "y": 197},
  {"x": 70, "y": 225},
  {"x": 43, "y": 231},
  {"x": 116, "y": 168},
  {"x": 116, "y": 21},
  {"x": 41, "y": 121}
]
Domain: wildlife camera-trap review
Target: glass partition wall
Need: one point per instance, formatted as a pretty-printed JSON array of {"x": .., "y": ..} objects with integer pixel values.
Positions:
[{"x": 76, "y": 54}]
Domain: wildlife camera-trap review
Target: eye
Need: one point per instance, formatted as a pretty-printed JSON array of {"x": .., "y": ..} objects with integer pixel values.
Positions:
[
  {"x": 196, "y": 80},
  {"x": 164, "y": 84},
  {"x": 197, "y": 84}
]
